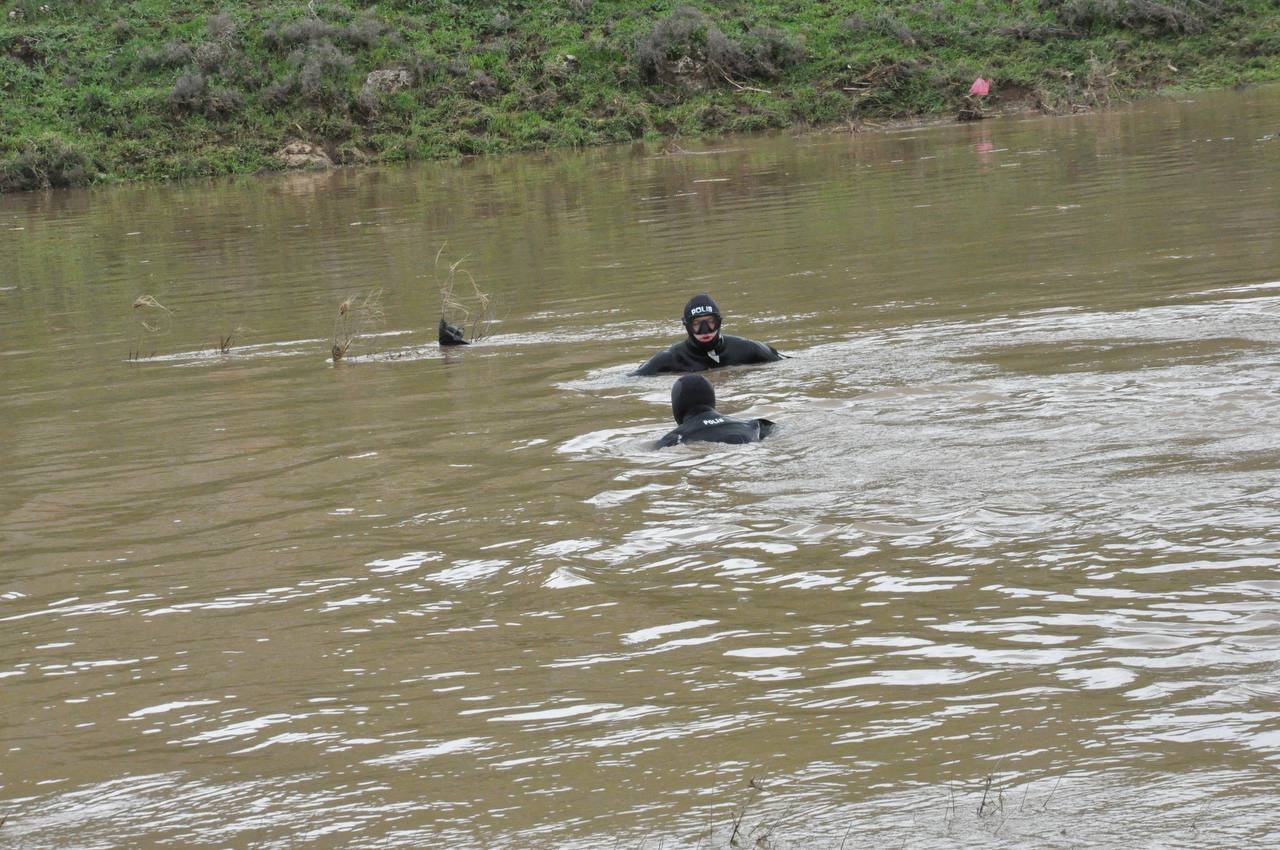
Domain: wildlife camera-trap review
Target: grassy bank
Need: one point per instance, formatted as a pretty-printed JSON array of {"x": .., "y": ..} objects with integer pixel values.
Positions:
[{"x": 92, "y": 90}]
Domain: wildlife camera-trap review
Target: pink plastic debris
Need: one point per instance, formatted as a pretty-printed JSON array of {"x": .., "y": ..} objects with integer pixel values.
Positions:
[{"x": 980, "y": 87}]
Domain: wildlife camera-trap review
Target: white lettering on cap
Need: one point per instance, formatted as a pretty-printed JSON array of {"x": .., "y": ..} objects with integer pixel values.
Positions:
[{"x": 698, "y": 311}]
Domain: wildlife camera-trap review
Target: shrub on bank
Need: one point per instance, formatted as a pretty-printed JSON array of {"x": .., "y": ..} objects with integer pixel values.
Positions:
[
  {"x": 689, "y": 43},
  {"x": 1173, "y": 18},
  {"x": 174, "y": 54},
  {"x": 192, "y": 94},
  {"x": 47, "y": 163}
]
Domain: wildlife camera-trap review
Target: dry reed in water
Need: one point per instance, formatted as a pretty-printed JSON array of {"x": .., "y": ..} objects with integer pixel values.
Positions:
[
  {"x": 462, "y": 303},
  {"x": 225, "y": 341},
  {"x": 153, "y": 318},
  {"x": 355, "y": 318}
]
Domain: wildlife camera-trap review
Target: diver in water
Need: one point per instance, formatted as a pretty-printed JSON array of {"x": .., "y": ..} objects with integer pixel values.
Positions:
[
  {"x": 706, "y": 348},
  {"x": 693, "y": 404}
]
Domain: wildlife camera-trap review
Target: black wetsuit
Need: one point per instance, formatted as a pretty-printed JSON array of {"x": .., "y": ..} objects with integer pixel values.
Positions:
[
  {"x": 690, "y": 355},
  {"x": 693, "y": 403},
  {"x": 711, "y": 426}
]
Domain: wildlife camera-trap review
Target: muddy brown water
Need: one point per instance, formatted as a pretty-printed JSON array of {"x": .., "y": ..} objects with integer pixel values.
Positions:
[{"x": 1006, "y": 576}]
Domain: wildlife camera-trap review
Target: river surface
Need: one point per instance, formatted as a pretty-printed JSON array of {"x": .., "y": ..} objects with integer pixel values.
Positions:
[{"x": 1005, "y": 576}]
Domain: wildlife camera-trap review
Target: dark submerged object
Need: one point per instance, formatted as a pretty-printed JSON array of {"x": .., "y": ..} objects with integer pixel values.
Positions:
[
  {"x": 693, "y": 404},
  {"x": 694, "y": 355},
  {"x": 450, "y": 335}
]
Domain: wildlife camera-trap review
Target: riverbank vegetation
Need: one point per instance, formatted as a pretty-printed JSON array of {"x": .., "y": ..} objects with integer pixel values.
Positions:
[{"x": 92, "y": 90}]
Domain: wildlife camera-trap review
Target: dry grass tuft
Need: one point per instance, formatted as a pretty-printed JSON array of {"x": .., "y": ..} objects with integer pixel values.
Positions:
[
  {"x": 153, "y": 319},
  {"x": 225, "y": 341},
  {"x": 462, "y": 303},
  {"x": 356, "y": 317},
  {"x": 153, "y": 311}
]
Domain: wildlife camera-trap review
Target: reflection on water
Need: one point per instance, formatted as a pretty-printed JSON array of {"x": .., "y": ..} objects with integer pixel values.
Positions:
[{"x": 1005, "y": 576}]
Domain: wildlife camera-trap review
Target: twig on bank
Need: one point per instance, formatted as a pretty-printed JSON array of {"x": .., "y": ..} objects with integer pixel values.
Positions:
[
  {"x": 741, "y": 87},
  {"x": 734, "y": 83}
]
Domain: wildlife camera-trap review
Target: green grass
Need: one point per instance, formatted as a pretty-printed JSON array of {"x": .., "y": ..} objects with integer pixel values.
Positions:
[{"x": 104, "y": 91}]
